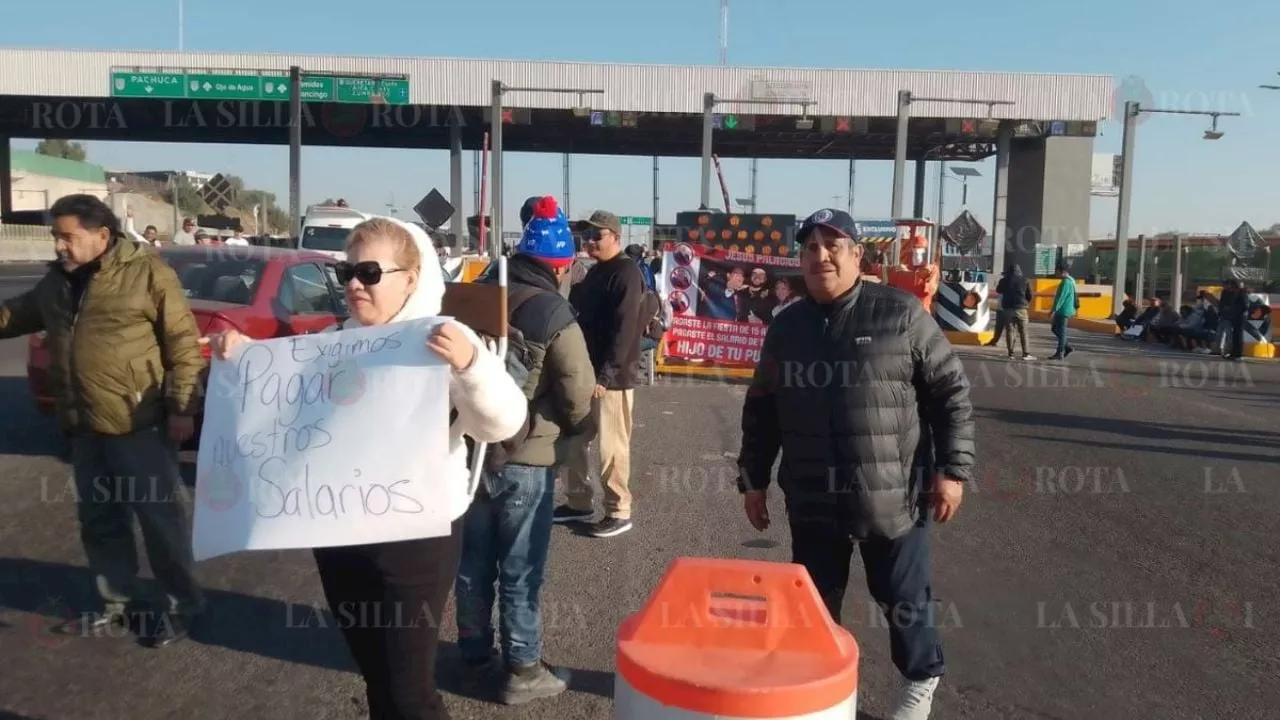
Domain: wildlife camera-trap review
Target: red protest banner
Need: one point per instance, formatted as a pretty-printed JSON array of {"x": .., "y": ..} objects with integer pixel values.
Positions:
[{"x": 723, "y": 301}]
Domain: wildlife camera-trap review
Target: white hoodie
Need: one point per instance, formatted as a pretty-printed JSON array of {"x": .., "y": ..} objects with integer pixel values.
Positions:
[{"x": 491, "y": 406}]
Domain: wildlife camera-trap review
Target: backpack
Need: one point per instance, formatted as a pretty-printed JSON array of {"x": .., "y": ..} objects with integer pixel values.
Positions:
[
  {"x": 655, "y": 315},
  {"x": 519, "y": 362}
]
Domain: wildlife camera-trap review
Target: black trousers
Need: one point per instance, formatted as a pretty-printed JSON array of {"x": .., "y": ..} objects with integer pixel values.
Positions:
[
  {"x": 389, "y": 599},
  {"x": 897, "y": 577},
  {"x": 1237, "y": 336}
]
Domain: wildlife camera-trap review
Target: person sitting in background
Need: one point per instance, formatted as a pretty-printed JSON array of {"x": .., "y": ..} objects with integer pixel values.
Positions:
[
  {"x": 1128, "y": 315},
  {"x": 1190, "y": 326},
  {"x": 1165, "y": 324}
]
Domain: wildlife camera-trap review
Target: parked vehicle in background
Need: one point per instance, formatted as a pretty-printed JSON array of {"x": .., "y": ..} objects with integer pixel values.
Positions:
[
  {"x": 325, "y": 229},
  {"x": 263, "y": 292}
]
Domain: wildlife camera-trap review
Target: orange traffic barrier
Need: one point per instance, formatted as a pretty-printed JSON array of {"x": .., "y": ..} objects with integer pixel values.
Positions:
[{"x": 735, "y": 639}]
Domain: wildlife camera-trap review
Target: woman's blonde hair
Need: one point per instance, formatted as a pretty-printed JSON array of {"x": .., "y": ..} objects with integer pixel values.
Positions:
[{"x": 407, "y": 254}]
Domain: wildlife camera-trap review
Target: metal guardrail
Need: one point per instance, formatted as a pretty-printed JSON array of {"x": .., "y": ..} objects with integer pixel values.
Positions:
[{"x": 24, "y": 232}]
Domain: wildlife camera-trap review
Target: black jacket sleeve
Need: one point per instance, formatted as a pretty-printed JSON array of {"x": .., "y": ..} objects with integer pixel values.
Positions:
[
  {"x": 943, "y": 391},
  {"x": 1026, "y": 292},
  {"x": 761, "y": 432},
  {"x": 626, "y": 293}
]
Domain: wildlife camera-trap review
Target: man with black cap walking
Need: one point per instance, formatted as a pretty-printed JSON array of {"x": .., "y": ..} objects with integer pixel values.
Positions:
[
  {"x": 863, "y": 396},
  {"x": 608, "y": 305}
]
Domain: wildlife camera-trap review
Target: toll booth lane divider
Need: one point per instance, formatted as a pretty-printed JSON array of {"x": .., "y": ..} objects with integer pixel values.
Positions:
[
  {"x": 1257, "y": 327},
  {"x": 734, "y": 639},
  {"x": 963, "y": 312}
]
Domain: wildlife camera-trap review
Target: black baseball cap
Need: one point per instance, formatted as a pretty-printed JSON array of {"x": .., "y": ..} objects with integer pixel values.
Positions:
[{"x": 837, "y": 221}]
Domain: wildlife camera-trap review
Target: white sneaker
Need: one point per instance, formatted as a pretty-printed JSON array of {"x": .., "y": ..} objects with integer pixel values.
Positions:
[
  {"x": 916, "y": 700},
  {"x": 1028, "y": 357}
]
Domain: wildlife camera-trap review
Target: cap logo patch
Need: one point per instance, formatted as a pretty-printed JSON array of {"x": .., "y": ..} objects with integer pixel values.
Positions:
[{"x": 821, "y": 216}]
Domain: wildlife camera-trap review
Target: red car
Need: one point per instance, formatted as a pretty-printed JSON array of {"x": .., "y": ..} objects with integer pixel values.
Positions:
[{"x": 263, "y": 292}]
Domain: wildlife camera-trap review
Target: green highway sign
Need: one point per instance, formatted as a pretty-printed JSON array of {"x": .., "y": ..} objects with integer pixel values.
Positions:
[
  {"x": 635, "y": 220},
  {"x": 730, "y": 122},
  {"x": 205, "y": 85},
  {"x": 161, "y": 85}
]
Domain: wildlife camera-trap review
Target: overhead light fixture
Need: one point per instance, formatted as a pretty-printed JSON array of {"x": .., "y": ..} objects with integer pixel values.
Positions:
[
  {"x": 804, "y": 123},
  {"x": 581, "y": 111},
  {"x": 1213, "y": 133}
]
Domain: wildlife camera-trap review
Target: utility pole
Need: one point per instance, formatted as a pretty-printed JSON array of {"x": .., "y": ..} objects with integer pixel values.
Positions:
[
  {"x": 295, "y": 153},
  {"x": 1131, "y": 112},
  {"x": 497, "y": 92}
]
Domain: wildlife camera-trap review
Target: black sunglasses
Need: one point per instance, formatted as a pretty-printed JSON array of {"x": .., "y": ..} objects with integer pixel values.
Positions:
[{"x": 368, "y": 272}]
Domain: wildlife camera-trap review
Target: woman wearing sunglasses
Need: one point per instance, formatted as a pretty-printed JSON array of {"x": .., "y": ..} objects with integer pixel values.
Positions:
[{"x": 390, "y": 276}]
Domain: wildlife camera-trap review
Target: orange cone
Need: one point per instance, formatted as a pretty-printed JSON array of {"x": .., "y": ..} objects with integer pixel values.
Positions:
[{"x": 730, "y": 639}]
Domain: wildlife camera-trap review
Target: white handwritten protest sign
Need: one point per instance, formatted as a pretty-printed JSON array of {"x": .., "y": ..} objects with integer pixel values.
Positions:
[{"x": 324, "y": 440}]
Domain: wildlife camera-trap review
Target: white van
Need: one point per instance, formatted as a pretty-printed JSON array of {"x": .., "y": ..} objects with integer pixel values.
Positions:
[{"x": 325, "y": 229}]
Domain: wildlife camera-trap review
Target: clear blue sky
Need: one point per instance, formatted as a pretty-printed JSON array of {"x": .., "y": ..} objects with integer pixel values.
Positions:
[{"x": 1189, "y": 54}]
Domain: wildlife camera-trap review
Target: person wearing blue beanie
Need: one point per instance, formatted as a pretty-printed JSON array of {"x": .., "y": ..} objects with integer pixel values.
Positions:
[
  {"x": 547, "y": 236},
  {"x": 507, "y": 529}
]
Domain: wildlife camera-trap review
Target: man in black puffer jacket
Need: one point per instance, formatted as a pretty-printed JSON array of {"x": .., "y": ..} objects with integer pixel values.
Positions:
[
  {"x": 862, "y": 394},
  {"x": 1015, "y": 298}
]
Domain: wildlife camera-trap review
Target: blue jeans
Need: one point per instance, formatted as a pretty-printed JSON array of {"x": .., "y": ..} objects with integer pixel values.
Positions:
[
  {"x": 1059, "y": 328},
  {"x": 506, "y": 535}
]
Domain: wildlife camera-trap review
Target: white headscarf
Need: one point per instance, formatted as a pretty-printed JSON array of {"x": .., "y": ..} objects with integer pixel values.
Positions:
[{"x": 428, "y": 296}]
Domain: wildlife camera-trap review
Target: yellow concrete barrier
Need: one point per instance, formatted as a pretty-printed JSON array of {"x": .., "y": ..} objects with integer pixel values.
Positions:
[
  {"x": 1095, "y": 300},
  {"x": 1261, "y": 350},
  {"x": 959, "y": 337}
]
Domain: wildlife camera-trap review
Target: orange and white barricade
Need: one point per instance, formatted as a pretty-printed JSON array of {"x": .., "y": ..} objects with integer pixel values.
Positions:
[{"x": 735, "y": 639}]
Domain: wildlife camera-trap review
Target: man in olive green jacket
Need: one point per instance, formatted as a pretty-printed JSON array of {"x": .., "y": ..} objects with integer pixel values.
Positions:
[{"x": 124, "y": 369}]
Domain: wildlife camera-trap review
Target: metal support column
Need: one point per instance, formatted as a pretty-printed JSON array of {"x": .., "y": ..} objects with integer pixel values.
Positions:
[
  {"x": 1140, "y": 287},
  {"x": 899, "y": 173},
  {"x": 900, "y": 157},
  {"x": 495, "y": 172},
  {"x": 917, "y": 204},
  {"x": 853, "y": 170},
  {"x": 475, "y": 180},
  {"x": 942, "y": 191},
  {"x": 458, "y": 223},
  {"x": 1177, "y": 272},
  {"x": 708, "y": 118},
  {"x": 755, "y": 169},
  {"x": 999, "y": 212},
  {"x": 295, "y": 153},
  {"x": 1131, "y": 110},
  {"x": 567, "y": 211},
  {"x": 6, "y": 179},
  {"x": 655, "y": 190}
]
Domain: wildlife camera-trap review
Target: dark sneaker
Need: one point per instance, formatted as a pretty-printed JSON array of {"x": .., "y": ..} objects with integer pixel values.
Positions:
[
  {"x": 609, "y": 527},
  {"x": 1069, "y": 351},
  {"x": 566, "y": 514},
  {"x": 90, "y": 624},
  {"x": 1055, "y": 356},
  {"x": 478, "y": 675},
  {"x": 527, "y": 683}
]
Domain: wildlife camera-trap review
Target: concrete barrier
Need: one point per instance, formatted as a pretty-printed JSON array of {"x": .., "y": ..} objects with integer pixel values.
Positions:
[
  {"x": 25, "y": 244},
  {"x": 963, "y": 311}
]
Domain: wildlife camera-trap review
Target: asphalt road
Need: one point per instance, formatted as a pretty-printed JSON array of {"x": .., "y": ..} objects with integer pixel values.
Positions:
[{"x": 1117, "y": 559}]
